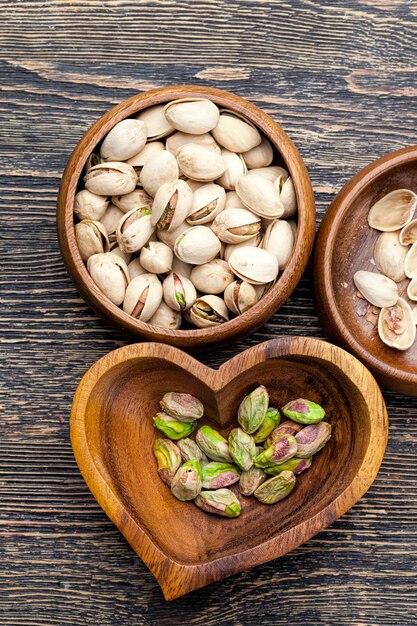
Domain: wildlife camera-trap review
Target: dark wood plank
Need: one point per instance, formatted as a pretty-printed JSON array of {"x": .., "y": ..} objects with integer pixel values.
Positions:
[{"x": 340, "y": 77}]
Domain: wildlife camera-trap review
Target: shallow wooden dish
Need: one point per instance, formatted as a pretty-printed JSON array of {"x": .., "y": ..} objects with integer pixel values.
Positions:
[
  {"x": 344, "y": 245},
  {"x": 185, "y": 548},
  {"x": 239, "y": 326}
]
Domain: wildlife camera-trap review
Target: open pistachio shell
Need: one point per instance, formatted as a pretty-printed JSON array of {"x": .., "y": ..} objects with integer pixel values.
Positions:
[
  {"x": 389, "y": 255},
  {"x": 123, "y": 141},
  {"x": 412, "y": 289},
  {"x": 235, "y": 134},
  {"x": 408, "y": 234},
  {"x": 192, "y": 115},
  {"x": 111, "y": 178},
  {"x": 240, "y": 296},
  {"x": 171, "y": 205},
  {"x": 236, "y": 225},
  {"x": 260, "y": 156},
  {"x": 200, "y": 163},
  {"x": 158, "y": 169},
  {"x": 379, "y": 290},
  {"x": 157, "y": 125},
  {"x": 91, "y": 238},
  {"x": 134, "y": 230},
  {"x": 208, "y": 201},
  {"x": 279, "y": 239},
  {"x": 143, "y": 297},
  {"x": 396, "y": 325},
  {"x": 110, "y": 274},
  {"x": 212, "y": 277},
  {"x": 208, "y": 311},
  {"x": 259, "y": 195},
  {"x": 179, "y": 292},
  {"x": 90, "y": 206},
  {"x": 254, "y": 265},
  {"x": 165, "y": 317},
  {"x": 235, "y": 169},
  {"x": 179, "y": 139},
  {"x": 393, "y": 211},
  {"x": 197, "y": 245},
  {"x": 410, "y": 263}
]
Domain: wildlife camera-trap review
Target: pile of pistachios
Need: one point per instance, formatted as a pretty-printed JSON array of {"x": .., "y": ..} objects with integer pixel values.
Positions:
[
  {"x": 184, "y": 217},
  {"x": 203, "y": 469}
]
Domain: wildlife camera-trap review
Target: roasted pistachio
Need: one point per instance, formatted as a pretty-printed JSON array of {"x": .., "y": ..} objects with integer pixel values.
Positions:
[
  {"x": 165, "y": 317},
  {"x": 110, "y": 274},
  {"x": 240, "y": 296},
  {"x": 212, "y": 277},
  {"x": 171, "y": 205},
  {"x": 254, "y": 265},
  {"x": 156, "y": 257},
  {"x": 235, "y": 134},
  {"x": 197, "y": 245},
  {"x": 221, "y": 502},
  {"x": 183, "y": 406},
  {"x": 376, "y": 288},
  {"x": 235, "y": 169},
  {"x": 124, "y": 140},
  {"x": 279, "y": 239},
  {"x": 268, "y": 424},
  {"x": 311, "y": 439},
  {"x": 276, "y": 489},
  {"x": 168, "y": 458},
  {"x": 111, "y": 179},
  {"x": 192, "y": 115},
  {"x": 303, "y": 411},
  {"x": 259, "y": 196},
  {"x": 134, "y": 230},
  {"x": 156, "y": 123},
  {"x": 89, "y": 206},
  {"x": 218, "y": 475},
  {"x": 208, "y": 311},
  {"x": 200, "y": 163},
  {"x": 252, "y": 409},
  {"x": 136, "y": 269},
  {"x": 208, "y": 201},
  {"x": 171, "y": 427},
  {"x": 236, "y": 225},
  {"x": 136, "y": 199},
  {"x": 149, "y": 150},
  {"x": 91, "y": 238},
  {"x": 259, "y": 156},
  {"x": 242, "y": 448},
  {"x": 179, "y": 292},
  {"x": 213, "y": 445},
  {"x": 186, "y": 484},
  {"x": 110, "y": 221},
  {"x": 160, "y": 168},
  {"x": 143, "y": 297},
  {"x": 178, "y": 139}
]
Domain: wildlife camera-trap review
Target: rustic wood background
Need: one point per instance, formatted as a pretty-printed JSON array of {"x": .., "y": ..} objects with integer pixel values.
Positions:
[{"x": 341, "y": 79}]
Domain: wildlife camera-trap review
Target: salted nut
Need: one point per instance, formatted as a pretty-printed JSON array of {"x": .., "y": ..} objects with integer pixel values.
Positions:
[
  {"x": 124, "y": 140},
  {"x": 171, "y": 205},
  {"x": 240, "y": 296},
  {"x": 111, "y": 179},
  {"x": 212, "y": 277},
  {"x": 91, "y": 238},
  {"x": 179, "y": 292},
  {"x": 192, "y": 115},
  {"x": 160, "y": 168},
  {"x": 156, "y": 123},
  {"x": 156, "y": 257},
  {"x": 393, "y": 211},
  {"x": 197, "y": 245},
  {"x": 279, "y": 239},
  {"x": 236, "y": 225},
  {"x": 89, "y": 206},
  {"x": 134, "y": 230},
  {"x": 200, "y": 163},
  {"x": 208, "y": 201},
  {"x": 254, "y": 265},
  {"x": 208, "y": 311},
  {"x": 259, "y": 156},
  {"x": 235, "y": 134},
  {"x": 110, "y": 274},
  {"x": 134, "y": 200},
  {"x": 143, "y": 297},
  {"x": 260, "y": 196}
]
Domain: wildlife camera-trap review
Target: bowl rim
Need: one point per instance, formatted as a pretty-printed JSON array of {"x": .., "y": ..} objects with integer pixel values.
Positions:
[
  {"x": 176, "y": 578},
  {"x": 270, "y": 302},
  {"x": 328, "y": 311}
]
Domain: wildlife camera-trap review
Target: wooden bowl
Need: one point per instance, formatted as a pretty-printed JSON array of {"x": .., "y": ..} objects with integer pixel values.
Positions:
[
  {"x": 344, "y": 245},
  {"x": 239, "y": 326},
  {"x": 185, "y": 548}
]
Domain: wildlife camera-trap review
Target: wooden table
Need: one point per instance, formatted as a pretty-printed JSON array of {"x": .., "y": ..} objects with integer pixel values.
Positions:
[{"x": 340, "y": 77}]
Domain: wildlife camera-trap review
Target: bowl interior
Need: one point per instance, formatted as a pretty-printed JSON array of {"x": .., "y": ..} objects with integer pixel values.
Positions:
[{"x": 120, "y": 433}]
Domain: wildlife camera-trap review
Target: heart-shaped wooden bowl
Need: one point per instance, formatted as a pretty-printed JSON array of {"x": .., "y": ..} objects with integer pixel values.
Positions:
[
  {"x": 185, "y": 548},
  {"x": 345, "y": 244}
]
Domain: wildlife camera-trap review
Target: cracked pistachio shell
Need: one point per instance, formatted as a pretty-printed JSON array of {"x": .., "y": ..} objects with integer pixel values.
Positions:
[
  {"x": 379, "y": 290},
  {"x": 251, "y": 478},
  {"x": 286, "y": 192},
  {"x": 252, "y": 409},
  {"x": 412, "y": 289},
  {"x": 182, "y": 268},
  {"x": 287, "y": 427},
  {"x": 280, "y": 451},
  {"x": 195, "y": 116},
  {"x": 91, "y": 238},
  {"x": 408, "y": 234},
  {"x": 208, "y": 311},
  {"x": 179, "y": 292},
  {"x": 168, "y": 459},
  {"x": 172, "y": 428},
  {"x": 275, "y": 489},
  {"x": 171, "y": 205},
  {"x": 254, "y": 265},
  {"x": 393, "y": 211},
  {"x": 269, "y": 423},
  {"x": 160, "y": 168},
  {"x": 200, "y": 163},
  {"x": 208, "y": 201},
  {"x": 136, "y": 269},
  {"x": 221, "y": 502},
  {"x": 134, "y": 230},
  {"x": 111, "y": 219},
  {"x": 219, "y": 475},
  {"x": 169, "y": 237},
  {"x": 279, "y": 239},
  {"x": 178, "y": 139},
  {"x": 213, "y": 445},
  {"x": 126, "y": 256},
  {"x": 294, "y": 465},
  {"x": 410, "y": 262},
  {"x": 242, "y": 448},
  {"x": 157, "y": 125},
  {"x": 235, "y": 169},
  {"x": 111, "y": 179},
  {"x": 187, "y": 483},
  {"x": 143, "y": 297},
  {"x": 165, "y": 317},
  {"x": 259, "y": 196},
  {"x": 271, "y": 173},
  {"x": 303, "y": 411},
  {"x": 235, "y": 134},
  {"x": 260, "y": 156},
  {"x": 311, "y": 439},
  {"x": 156, "y": 257},
  {"x": 396, "y": 325},
  {"x": 110, "y": 274},
  {"x": 150, "y": 149},
  {"x": 123, "y": 141},
  {"x": 236, "y": 225},
  {"x": 389, "y": 255},
  {"x": 191, "y": 452},
  {"x": 90, "y": 206},
  {"x": 240, "y": 296},
  {"x": 197, "y": 245},
  {"x": 137, "y": 199},
  {"x": 233, "y": 201},
  {"x": 212, "y": 277},
  {"x": 255, "y": 242}
]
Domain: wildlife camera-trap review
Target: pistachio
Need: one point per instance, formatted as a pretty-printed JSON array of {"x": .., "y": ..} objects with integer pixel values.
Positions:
[
  {"x": 286, "y": 192},
  {"x": 282, "y": 450},
  {"x": 137, "y": 199},
  {"x": 208, "y": 201},
  {"x": 172, "y": 428},
  {"x": 285, "y": 428},
  {"x": 182, "y": 268},
  {"x": 138, "y": 160},
  {"x": 242, "y": 448},
  {"x": 279, "y": 239},
  {"x": 259, "y": 156},
  {"x": 182, "y": 406},
  {"x": 171, "y": 205},
  {"x": 259, "y": 196},
  {"x": 236, "y": 225},
  {"x": 376, "y": 288},
  {"x": 110, "y": 274},
  {"x": 254, "y": 265},
  {"x": 412, "y": 289},
  {"x": 110, "y": 221},
  {"x": 186, "y": 484},
  {"x": 410, "y": 263},
  {"x": 165, "y": 317},
  {"x": 190, "y": 451},
  {"x": 168, "y": 458},
  {"x": 221, "y": 502},
  {"x": 240, "y": 296},
  {"x": 235, "y": 134},
  {"x": 91, "y": 238},
  {"x": 111, "y": 179},
  {"x": 252, "y": 409},
  {"x": 235, "y": 169},
  {"x": 212, "y": 277},
  {"x": 269, "y": 423},
  {"x": 143, "y": 297},
  {"x": 192, "y": 115},
  {"x": 219, "y": 475},
  {"x": 393, "y": 211},
  {"x": 271, "y": 173},
  {"x": 197, "y": 245},
  {"x": 179, "y": 292},
  {"x": 408, "y": 233},
  {"x": 200, "y": 163},
  {"x": 294, "y": 465},
  {"x": 396, "y": 326},
  {"x": 179, "y": 139},
  {"x": 126, "y": 256},
  {"x": 134, "y": 230},
  {"x": 194, "y": 184},
  {"x": 157, "y": 125},
  {"x": 213, "y": 445},
  {"x": 160, "y": 168},
  {"x": 311, "y": 439},
  {"x": 89, "y": 206},
  {"x": 303, "y": 411},
  {"x": 208, "y": 311},
  {"x": 169, "y": 237},
  {"x": 123, "y": 141},
  {"x": 136, "y": 269},
  {"x": 251, "y": 478},
  {"x": 254, "y": 242},
  {"x": 93, "y": 159},
  {"x": 156, "y": 257},
  {"x": 233, "y": 201},
  {"x": 389, "y": 255},
  {"x": 275, "y": 489}
]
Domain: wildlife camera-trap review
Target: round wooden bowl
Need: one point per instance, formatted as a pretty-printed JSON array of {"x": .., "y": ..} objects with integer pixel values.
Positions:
[
  {"x": 185, "y": 548},
  {"x": 257, "y": 315},
  {"x": 345, "y": 245}
]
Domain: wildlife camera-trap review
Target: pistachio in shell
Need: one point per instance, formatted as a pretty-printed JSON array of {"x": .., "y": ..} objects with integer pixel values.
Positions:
[
  {"x": 192, "y": 115},
  {"x": 91, "y": 237},
  {"x": 389, "y": 255},
  {"x": 200, "y": 163},
  {"x": 143, "y": 297},
  {"x": 134, "y": 230},
  {"x": 90, "y": 206},
  {"x": 156, "y": 123},
  {"x": 208, "y": 201},
  {"x": 197, "y": 245},
  {"x": 259, "y": 195},
  {"x": 124, "y": 140},
  {"x": 254, "y": 265},
  {"x": 212, "y": 277},
  {"x": 240, "y": 296},
  {"x": 236, "y": 225},
  {"x": 171, "y": 205},
  {"x": 279, "y": 239},
  {"x": 235, "y": 134},
  {"x": 136, "y": 199},
  {"x": 259, "y": 156},
  {"x": 179, "y": 292},
  {"x": 110, "y": 274},
  {"x": 208, "y": 310},
  {"x": 165, "y": 317},
  {"x": 396, "y": 325},
  {"x": 111, "y": 179},
  {"x": 160, "y": 168}
]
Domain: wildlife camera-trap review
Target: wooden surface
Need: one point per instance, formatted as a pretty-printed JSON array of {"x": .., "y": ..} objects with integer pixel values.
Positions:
[
  {"x": 238, "y": 326},
  {"x": 341, "y": 79},
  {"x": 345, "y": 244},
  {"x": 112, "y": 435}
]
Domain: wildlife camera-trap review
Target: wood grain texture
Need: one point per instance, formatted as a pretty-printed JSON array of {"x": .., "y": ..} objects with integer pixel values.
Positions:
[{"x": 340, "y": 78}]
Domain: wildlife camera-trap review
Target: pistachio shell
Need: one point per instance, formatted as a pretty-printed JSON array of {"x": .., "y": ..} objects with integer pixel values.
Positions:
[
  {"x": 208, "y": 201},
  {"x": 111, "y": 219},
  {"x": 195, "y": 184},
  {"x": 197, "y": 245},
  {"x": 235, "y": 134},
  {"x": 170, "y": 236},
  {"x": 393, "y": 211},
  {"x": 396, "y": 326},
  {"x": 271, "y": 173},
  {"x": 408, "y": 233},
  {"x": 410, "y": 263},
  {"x": 156, "y": 257},
  {"x": 171, "y": 205},
  {"x": 124, "y": 140},
  {"x": 208, "y": 311},
  {"x": 286, "y": 192},
  {"x": 134, "y": 230},
  {"x": 200, "y": 163},
  {"x": 137, "y": 199},
  {"x": 255, "y": 242},
  {"x": 143, "y": 297},
  {"x": 158, "y": 169},
  {"x": 259, "y": 195},
  {"x": 115, "y": 249},
  {"x": 412, "y": 289},
  {"x": 179, "y": 292},
  {"x": 110, "y": 274},
  {"x": 379, "y": 290},
  {"x": 135, "y": 268},
  {"x": 111, "y": 178},
  {"x": 149, "y": 150},
  {"x": 260, "y": 156},
  {"x": 179, "y": 139},
  {"x": 240, "y": 296},
  {"x": 165, "y": 317},
  {"x": 212, "y": 277},
  {"x": 255, "y": 265},
  {"x": 389, "y": 255},
  {"x": 235, "y": 169},
  {"x": 192, "y": 115},
  {"x": 90, "y": 206},
  {"x": 157, "y": 125},
  {"x": 236, "y": 225},
  {"x": 91, "y": 238},
  {"x": 233, "y": 201},
  {"x": 279, "y": 240}
]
